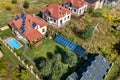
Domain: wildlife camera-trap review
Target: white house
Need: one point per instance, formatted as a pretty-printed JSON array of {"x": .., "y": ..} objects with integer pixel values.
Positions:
[
  {"x": 97, "y": 4},
  {"x": 28, "y": 27},
  {"x": 78, "y": 7},
  {"x": 56, "y": 15}
]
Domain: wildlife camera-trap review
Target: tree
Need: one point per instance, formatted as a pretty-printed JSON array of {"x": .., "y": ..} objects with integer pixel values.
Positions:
[
  {"x": 26, "y": 4},
  {"x": 70, "y": 58},
  {"x": 45, "y": 67},
  {"x": 14, "y": 1},
  {"x": 90, "y": 9},
  {"x": 88, "y": 32},
  {"x": 58, "y": 68}
]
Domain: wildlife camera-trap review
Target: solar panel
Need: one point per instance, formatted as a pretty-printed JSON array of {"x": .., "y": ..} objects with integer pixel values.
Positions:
[
  {"x": 71, "y": 45},
  {"x": 94, "y": 73},
  {"x": 17, "y": 18},
  {"x": 99, "y": 68},
  {"x": 102, "y": 62},
  {"x": 23, "y": 16},
  {"x": 86, "y": 76},
  {"x": 34, "y": 24},
  {"x": 80, "y": 51}
]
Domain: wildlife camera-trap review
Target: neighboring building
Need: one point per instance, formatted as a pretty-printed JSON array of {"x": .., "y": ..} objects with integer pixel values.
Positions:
[
  {"x": 95, "y": 68},
  {"x": 56, "y": 15},
  {"x": 28, "y": 27},
  {"x": 97, "y": 4},
  {"x": 78, "y": 7}
]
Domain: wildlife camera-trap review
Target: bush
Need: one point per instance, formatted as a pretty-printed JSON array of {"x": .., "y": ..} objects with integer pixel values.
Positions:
[
  {"x": 8, "y": 8},
  {"x": 90, "y": 9},
  {"x": 88, "y": 32},
  {"x": 14, "y": 1},
  {"x": 97, "y": 14},
  {"x": 26, "y": 4}
]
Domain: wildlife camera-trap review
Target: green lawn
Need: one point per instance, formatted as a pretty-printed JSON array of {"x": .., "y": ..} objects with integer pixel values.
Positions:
[
  {"x": 3, "y": 19},
  {"x": 9, "y": 56},
  {"x": 6, "y": 33},
  {"x": 105, "y": 9},
  {"x": 113, "y": 73},
  {"x": 49, "y": 46}
]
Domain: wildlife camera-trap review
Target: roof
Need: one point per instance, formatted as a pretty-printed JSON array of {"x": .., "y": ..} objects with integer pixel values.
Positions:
[
  {"x": 56, "y": 10},
  {"x": 25, "y": 24},
  {"x": 91, "y": 1},
  {"x": 76, "y": 3},
  {"x": 94, "y": 67}
]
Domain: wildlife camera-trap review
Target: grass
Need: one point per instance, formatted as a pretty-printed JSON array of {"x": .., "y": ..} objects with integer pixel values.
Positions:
[
  {"x": 3, "y": 19},
  {"x": 6, "y": 33},
  {"x": 9, "y": 56},
  {"x": 114, "y": 70},
  {"x": 49, "y": 46},
  {"x": 105, "y": 9}
]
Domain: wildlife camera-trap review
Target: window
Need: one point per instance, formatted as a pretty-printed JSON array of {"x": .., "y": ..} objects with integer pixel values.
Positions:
[
  {"x": 74, "y": 10},
  {"x": 54, "y": 21},
  {"x": 68, "y": 17},
  {"x": 43, "y": 30},
  {"x": 65, "y": 19}
]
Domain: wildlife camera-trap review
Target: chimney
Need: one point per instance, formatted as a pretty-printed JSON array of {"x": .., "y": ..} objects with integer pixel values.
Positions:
[
  {"x": 33, "y": 15},
  {"x": 47, "y": 5}
]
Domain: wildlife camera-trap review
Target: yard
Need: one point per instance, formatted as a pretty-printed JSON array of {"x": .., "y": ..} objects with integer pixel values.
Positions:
[
  {"x": 103, "y": 42},
  {"x": 49, "y": 46}
]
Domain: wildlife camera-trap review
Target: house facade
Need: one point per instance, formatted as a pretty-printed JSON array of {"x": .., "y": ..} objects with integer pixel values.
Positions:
[
  {"x": 28, "y": 27},
  {"x": 78, "y": 7},
  {"x": 97, "y": 4},
  {"x": 56, "y": 15}
]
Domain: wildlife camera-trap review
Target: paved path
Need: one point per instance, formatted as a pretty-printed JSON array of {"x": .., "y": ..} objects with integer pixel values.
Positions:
[{"x": 24, "y": 54}]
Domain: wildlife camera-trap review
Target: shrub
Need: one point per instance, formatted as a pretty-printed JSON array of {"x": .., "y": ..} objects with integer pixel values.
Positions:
[
  {"x": 26, "y": 4},
  {"x": 97, "y": 14},
  {"x": 88, "y": 32},
  {"x": 8, "y": 8},
  {"x": 90, "y": 9},
  {"x": 14, "y": 1}
]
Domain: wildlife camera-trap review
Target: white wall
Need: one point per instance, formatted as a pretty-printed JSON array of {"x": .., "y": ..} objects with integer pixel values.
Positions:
[
  {"x": 54, "y": 21},
  {"x": 78, "y": 12},
  {"x": 40, "y": 29}
]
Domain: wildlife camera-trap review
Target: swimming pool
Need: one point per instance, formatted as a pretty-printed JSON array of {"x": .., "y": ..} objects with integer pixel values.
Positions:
[{"x": 12, "y": 42}]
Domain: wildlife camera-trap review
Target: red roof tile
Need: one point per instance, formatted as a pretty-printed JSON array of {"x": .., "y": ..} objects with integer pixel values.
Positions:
[
  {"x": 30, "y": 32},
  {"x": 77, "y": 3},
  {"x": 56, "y": 10}
]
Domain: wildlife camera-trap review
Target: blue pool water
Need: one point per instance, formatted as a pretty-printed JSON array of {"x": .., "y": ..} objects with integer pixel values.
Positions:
[{"x": 14, "y": 43}]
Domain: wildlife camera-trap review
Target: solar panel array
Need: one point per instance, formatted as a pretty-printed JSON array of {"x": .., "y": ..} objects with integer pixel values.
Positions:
[
  {"x": 71, "y": 45},
  {"x": 95, "y": 69},
  {"x": 23, "y": 22}
]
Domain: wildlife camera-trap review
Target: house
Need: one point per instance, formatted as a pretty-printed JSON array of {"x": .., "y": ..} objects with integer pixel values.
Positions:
[
  {"x": 78, "y": 7},
  {"x": 97, "y": 4},
  {"x": 28, "y": 27},
  {"x": 95, "y": 67},
  {"x": 56, "y": 15}
]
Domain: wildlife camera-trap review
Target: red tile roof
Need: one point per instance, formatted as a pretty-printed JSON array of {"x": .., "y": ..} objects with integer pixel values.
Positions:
[
  {"x": 29, "y": 31},
  {"x": 56, "y": 10},
  {"x": 77, "y": 3}
]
